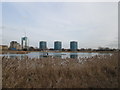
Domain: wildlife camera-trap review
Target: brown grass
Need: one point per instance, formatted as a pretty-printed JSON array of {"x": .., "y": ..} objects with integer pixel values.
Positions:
[
  {"x": 96, "y": 72},
  {"x": 14, "y": 52}
]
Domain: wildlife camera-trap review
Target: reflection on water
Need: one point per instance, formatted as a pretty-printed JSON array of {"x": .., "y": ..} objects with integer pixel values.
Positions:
[
  {"x": 50, "y": 54},
  {"x": 75, "y": 56},
  {"x": 59, "y": 56}
]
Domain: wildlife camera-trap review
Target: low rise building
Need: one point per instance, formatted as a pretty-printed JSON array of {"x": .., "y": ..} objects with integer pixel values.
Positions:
[
  {"x": 3, "y": 47},
  {"x": 15, "y": 46}
]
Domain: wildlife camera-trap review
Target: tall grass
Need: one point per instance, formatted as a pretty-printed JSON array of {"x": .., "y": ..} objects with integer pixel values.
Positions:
[
  {"x": 0, "y": 73},
  {"x": 96, "y": 72}
]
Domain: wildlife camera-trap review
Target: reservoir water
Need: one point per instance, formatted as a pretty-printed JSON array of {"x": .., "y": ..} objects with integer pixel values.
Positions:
[{"x": 54, "y": 54}]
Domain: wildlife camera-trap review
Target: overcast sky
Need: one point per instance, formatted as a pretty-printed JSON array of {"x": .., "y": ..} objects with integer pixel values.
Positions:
[{"x": 92, "y": 24}]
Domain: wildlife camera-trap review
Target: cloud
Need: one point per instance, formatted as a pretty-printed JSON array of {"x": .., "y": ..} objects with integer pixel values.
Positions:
[{"x": 91, "y": 24}]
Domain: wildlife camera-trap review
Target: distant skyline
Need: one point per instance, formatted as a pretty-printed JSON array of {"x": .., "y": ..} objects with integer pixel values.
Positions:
[{"x": 91, "y": 24}]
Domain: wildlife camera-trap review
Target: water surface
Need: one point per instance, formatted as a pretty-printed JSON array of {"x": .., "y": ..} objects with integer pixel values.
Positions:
[{"x": 54, "y": 54}]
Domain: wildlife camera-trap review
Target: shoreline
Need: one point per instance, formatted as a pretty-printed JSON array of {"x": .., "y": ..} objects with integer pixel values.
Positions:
[{"x": 25, "y": 52}]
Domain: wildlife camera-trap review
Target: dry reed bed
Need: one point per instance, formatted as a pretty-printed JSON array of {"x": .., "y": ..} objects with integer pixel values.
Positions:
[
  {"x": 0, "y": 72},
  {"x": 96, "y": 72}
]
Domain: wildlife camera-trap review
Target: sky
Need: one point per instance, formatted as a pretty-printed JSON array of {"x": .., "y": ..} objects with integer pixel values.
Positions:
[{"x": 91, "y": 24}]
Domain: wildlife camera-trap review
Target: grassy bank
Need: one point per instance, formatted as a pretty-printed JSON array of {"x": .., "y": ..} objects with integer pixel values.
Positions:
[
  {"x": 14, "y": 52},
  {"x": 96, "y": 72}
]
